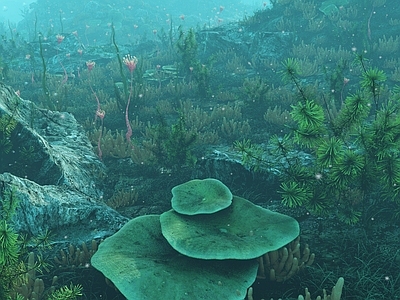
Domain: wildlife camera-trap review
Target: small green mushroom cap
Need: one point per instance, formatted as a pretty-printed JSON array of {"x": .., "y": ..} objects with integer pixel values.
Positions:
[
  {"x": 330, "y": 7},
  {"x": 241, "y": 231},
  {"x": 142, "y": 265},
  {"x": 201, "y": 197}
]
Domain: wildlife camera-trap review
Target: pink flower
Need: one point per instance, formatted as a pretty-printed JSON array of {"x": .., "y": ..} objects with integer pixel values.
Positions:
[
  {"x": 100, "y": 113},
  {"x": 90, "y": 65},
  {"x": 60, "y": 38},
  {"x": 130, "y": 62}
]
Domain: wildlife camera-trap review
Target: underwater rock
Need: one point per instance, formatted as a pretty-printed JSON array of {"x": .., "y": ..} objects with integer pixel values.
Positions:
[
  {"x": 226, "y": 165},
  {"x": 68, "y": 214},
  {"x": 47, "y": 161},
  {"x": 47, "y": 147},
  {"x": 266, "y": 42}
]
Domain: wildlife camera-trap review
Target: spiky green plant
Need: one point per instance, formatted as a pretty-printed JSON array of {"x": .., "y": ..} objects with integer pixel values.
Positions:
[
  {"x": 319, "y": 203},
  {"x": 187, "y": 48},
  {"x": 349, "y": 216},
  {"x": 290, "y": 73},
  {"x": 329, "y": 152},
  {"x": 290, "y": 69},
  {"x": 294, "y": 194},
  {"x": 356, "y": 150},
  {"x": 280, "y": 146},
  {"x": 189, "y": 64},
  {"x": 251, "y": 154},
  {"x": 71, "y": 292},
  {"x": 309, "y": 136},
  {"x": 372, "y": 79},
  {"x": 7, "y": 126},
  {"x": 13, "y": 248},
  {"x": 9, "y": 245},
  {"x": 347, "y": 169},
  {"x": 178, "y": 145},
  {"x": 388, "y": 168},
  {"x": 308, "y": 113},
  {"x": 356, "y": 109}
]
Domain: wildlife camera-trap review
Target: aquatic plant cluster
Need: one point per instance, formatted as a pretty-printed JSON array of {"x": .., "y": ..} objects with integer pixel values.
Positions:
[
  {"x": 354, "y": 150},
  {"x": 313, "y": 99},
  {"x": 20, "y": 266}
]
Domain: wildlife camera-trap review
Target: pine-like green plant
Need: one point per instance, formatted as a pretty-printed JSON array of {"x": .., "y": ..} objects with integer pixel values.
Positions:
[
  {"x": 309, "y": 135},
  {"x": 9, "y": 244},
  {"x": 353, "y": 157},
  {"x": 329, "y": 152},
  {"x": 252, "y": 155},
  {"x": 308, "y": 113},
  {"x": 349, "y": 215},
  {"x": 178, "y": 146},
  {"x": 347, "y": 169},
  {"x": 71, "y": 292},
  {"x": 372, "y": 79},
  {"x": 294, "y": 194},
  {"x": 290, "y": 69},
  {"x": 189, "y": 64},
  {"x": 7, "y": 126},
  {"x": 356, "y": 109},
  {"x": 280, "y": 146},
  {"x": 13, "y": 248},
  {"x": 383, "y": 134},
  {"x": 319, "y": 203},
  {"x": 298, "y": 172},
  {"x": 290, "y": 73},
  {"x": 187, "y": 48},
  {"x": 388, "y": 168}
]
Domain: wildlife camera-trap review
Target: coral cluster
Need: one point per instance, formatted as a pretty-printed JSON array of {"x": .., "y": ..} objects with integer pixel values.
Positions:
[{"x": 279, "y": 265}]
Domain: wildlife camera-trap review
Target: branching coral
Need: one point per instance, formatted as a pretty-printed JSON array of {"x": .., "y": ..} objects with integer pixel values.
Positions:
[
  {"x": 336, "y": 293},
  {"x": 281, "y": 264},
  {"x": 76, "y": 256}
]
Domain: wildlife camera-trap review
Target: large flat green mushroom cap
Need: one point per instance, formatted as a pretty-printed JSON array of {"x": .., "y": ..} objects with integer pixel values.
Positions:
[
  {"x": 142, "y": 265},
  {"x": 200, "y": 196},
  {"x": 241, "y": 231}
]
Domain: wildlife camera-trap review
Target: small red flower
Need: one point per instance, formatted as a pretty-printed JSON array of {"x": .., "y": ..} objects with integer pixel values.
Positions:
[
  {"x": 60, "y": 38},
  {"x": 130, "y": 62},
  {"x": 90, "y": 65},
  {"x": 100, "y": 113}
]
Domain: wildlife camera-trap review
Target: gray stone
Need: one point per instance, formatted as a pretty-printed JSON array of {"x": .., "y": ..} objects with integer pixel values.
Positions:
[
  {"x": 69, "y": 214},
  {"x": 58, "y": 181}
]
